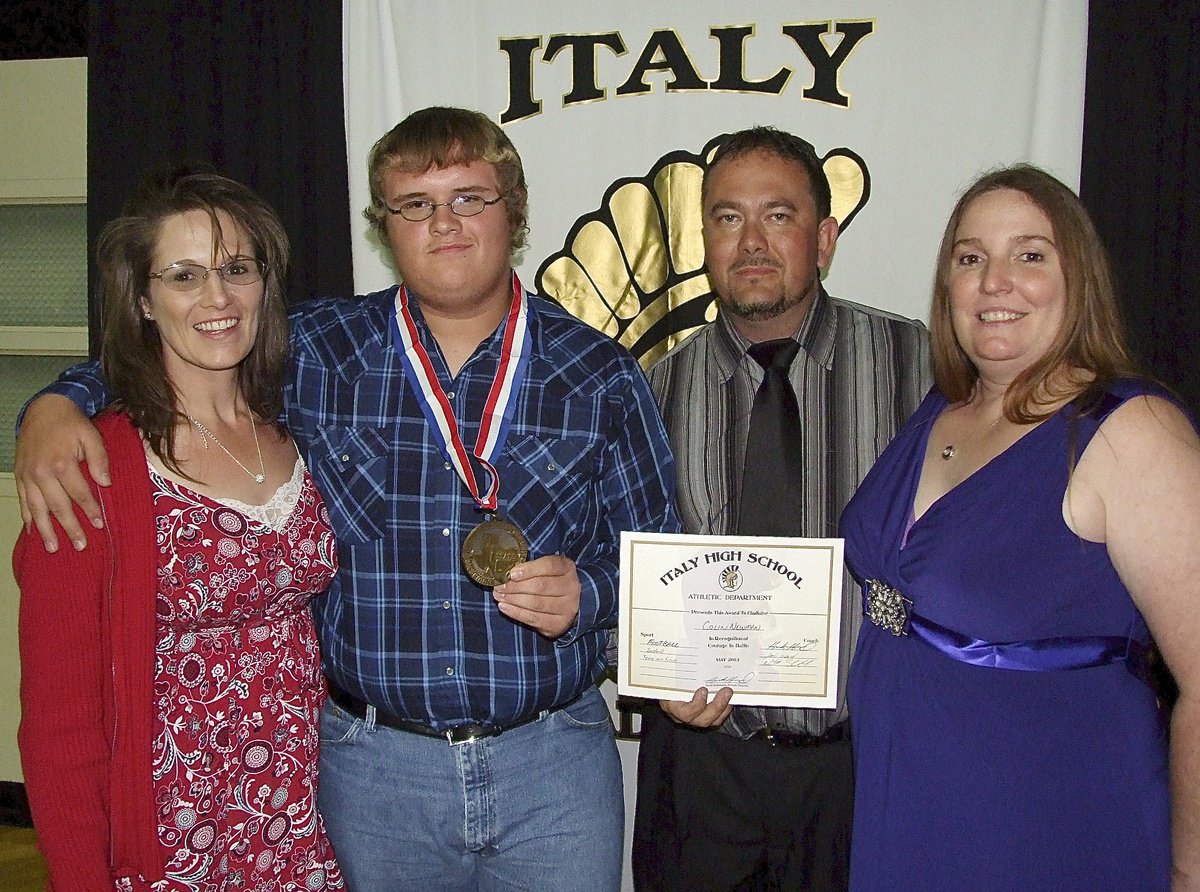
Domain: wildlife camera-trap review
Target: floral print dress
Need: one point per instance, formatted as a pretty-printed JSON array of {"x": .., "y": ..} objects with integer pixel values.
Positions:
[{"x": 238, "y": 689}]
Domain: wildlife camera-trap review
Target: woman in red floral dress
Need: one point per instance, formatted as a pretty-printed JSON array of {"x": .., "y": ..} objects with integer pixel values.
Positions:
[{"x": 171, "y": 684}]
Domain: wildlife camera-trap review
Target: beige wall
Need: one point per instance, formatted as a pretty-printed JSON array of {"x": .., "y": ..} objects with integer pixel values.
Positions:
[
  {"x": 43, "y": 143},
  {"x": 10, "y": 667},
  {"x": 43, "y": 159}
]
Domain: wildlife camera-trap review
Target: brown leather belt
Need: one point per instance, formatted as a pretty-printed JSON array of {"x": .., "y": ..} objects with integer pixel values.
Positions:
[
  {"x": 350, "y": 704},
  {"x": 782, "y": 737}
]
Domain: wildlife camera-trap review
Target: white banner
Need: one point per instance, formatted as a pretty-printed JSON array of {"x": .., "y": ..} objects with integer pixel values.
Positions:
[{"x": 613, "y": 106}]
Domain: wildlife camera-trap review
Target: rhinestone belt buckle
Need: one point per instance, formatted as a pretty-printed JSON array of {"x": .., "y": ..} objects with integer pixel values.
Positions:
[{"x": 887, "y": 608}]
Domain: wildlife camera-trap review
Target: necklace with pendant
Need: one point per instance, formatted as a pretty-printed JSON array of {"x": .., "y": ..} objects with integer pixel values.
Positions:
[
  {"x": 952, "y": 448},
  {"x": 205, "y": 434}
]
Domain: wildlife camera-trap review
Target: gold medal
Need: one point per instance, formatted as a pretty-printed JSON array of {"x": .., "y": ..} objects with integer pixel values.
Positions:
[{"x": 492, "y": 549}]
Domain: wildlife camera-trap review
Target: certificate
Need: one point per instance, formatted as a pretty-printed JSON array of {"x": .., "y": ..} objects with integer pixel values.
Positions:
[{"x": 761, "y": 615}]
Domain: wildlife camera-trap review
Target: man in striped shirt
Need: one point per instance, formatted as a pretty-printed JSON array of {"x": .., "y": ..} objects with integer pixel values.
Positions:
[{"x": 748, "y": 797}]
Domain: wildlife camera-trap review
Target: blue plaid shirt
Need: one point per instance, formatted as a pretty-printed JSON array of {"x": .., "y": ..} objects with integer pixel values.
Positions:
[{"x": 586, "y": 456}]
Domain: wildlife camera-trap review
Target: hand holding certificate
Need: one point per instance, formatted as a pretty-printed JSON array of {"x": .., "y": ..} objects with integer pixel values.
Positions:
[{"x": 755, "y": 614}]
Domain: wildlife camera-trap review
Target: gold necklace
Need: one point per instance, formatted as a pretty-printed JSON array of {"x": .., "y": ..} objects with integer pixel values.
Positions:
[{"x": 205, "y": 433}]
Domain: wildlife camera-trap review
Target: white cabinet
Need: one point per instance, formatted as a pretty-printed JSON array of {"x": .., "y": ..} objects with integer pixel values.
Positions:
[
  {"x": 43, "y": 162},
  {"x": 43, "y": 130}
]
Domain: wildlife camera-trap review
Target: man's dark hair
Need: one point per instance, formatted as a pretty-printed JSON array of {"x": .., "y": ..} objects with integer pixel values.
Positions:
[{"x": 783, "y": 145}]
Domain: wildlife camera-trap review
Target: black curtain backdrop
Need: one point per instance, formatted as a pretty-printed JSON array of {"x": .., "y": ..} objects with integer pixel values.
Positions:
[
  {"x": 43, "y": 29},
  {"x": 253, "y": 89},
  {"x": 1141, "y": 167},
  {"x": 256, "y": 90}
]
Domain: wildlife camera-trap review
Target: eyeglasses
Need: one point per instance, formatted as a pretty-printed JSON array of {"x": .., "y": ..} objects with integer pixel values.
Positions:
[
  {"x": 190, "y": 276},
  {"x": 417, "y": 209}
]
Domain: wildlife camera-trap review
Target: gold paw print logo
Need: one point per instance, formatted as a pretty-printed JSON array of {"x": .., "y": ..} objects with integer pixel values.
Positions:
[{"x": 634, "y": 267}]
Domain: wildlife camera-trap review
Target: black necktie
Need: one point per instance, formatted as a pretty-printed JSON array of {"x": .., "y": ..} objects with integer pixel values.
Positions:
[{"x": 772, "y": 473}]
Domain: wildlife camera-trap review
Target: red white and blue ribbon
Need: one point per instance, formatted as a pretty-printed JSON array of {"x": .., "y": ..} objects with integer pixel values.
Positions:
[{"x": 501, "y": 399}]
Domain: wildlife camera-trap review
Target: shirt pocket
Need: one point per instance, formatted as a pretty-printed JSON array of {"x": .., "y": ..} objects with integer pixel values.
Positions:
[
  {"x": 350, "y": 465},
  {"x": 557, "y": 464},
  {"x": 550, "y": 485}
]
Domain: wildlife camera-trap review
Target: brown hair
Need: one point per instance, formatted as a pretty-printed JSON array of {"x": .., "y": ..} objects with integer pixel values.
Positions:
[
  {"x": 438, "y": 137},
  {"x": 783, "y": 145},
  {"x": 131, "y": 349},
  {"x": 1091, "y": 339}
]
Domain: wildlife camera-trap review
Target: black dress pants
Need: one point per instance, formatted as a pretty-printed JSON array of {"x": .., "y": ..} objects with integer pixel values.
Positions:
[{"x": 717, "y": 813}]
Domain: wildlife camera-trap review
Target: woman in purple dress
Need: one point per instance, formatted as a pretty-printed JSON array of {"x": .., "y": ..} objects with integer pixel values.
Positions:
[{"x": 1019, "y": 543}]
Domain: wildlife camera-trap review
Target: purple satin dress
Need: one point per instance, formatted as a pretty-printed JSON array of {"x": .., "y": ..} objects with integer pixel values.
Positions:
[{"x": 982, "y": 778}]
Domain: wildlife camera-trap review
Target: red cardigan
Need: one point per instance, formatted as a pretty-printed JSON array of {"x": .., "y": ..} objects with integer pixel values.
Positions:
[{"x": 87, "y": 634}]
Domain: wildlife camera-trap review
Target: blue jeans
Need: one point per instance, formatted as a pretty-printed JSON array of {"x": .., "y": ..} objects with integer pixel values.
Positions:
[{"x": 539, "y": 807}]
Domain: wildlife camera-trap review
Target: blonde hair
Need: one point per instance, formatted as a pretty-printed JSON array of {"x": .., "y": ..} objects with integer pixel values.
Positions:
[{"x": 438, "y": 137}]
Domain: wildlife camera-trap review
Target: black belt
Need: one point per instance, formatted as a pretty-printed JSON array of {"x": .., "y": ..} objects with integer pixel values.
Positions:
[
  {"x": 782, "y": 737},
  {"x": 458, "y": 734}
]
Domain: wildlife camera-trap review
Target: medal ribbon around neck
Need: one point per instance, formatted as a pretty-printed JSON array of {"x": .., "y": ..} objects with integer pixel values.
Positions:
[{"x": 497, "y": 411}]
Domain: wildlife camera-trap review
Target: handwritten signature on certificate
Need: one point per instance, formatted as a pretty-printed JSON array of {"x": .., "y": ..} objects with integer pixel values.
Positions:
[{"x": 759, "y": 615}]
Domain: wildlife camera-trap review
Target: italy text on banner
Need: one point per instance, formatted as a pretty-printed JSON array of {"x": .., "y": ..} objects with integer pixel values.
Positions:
[{"x": 614, "y": 108}]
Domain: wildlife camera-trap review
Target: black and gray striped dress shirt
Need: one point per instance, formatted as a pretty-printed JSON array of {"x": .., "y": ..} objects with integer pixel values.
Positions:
[{"x": 858, "y": 376}]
